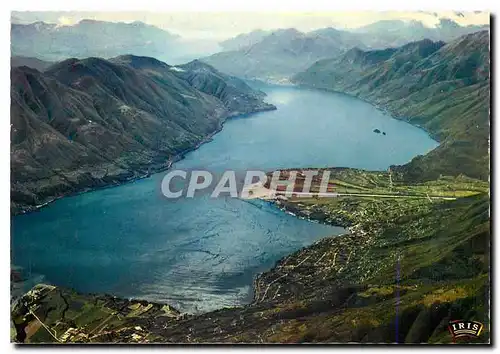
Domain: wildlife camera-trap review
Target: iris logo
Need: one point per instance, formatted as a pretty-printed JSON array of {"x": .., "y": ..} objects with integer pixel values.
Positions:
[{"x": 461, "y": 328}]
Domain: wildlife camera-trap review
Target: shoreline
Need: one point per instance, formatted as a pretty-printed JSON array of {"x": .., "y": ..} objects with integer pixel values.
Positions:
[
  {"x": 387, "y": 111},
  {"x": 275, "y": 201},
  {"x": 170, "y": 162},
  {"x": 348, "y": 227},
  {"x": 208, "y": 138},
  {"x": 393, "y": 114}
]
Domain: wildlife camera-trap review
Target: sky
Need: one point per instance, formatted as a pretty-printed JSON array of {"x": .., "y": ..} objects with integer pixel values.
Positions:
[{"x": 224, "y": 25}]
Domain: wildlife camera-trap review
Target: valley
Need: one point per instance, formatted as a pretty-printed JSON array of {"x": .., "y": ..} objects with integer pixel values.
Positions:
[
  {"x": 443, "y": 88},
  {"x": 397, "y": 112},
  {"x": 200, "y": 254},
  {"x": 276, "y": 56},
  {"x": 411, "y": 261},
  {"x": 105, "y": 122}
]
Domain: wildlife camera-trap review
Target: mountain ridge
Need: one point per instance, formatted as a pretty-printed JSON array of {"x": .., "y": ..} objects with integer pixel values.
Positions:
[
  {"x": 429, "y": 258},
  {"x": 439, "y": 87},
  {"x": 51, "y": 42},
  {"x": 279, "y": 54},
  {"x": 91, "y": 123},
  {"x": 31, "y": 62}
]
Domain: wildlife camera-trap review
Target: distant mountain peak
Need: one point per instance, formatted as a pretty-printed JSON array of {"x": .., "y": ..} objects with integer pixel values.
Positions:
[
  {"x": 244, "y": 39},
  {"x": 443, "y": 87},
  {"x": 88, "y": 21},
  {"x": 354, "y": 52},
  {"x": 25, "y": 69},
  {"x": 194, "y": 64},
  {"x": 139, "y": 23},
  {"x": 99, "y": 115},
  {"x": 64, "y": 63},
  {"x": 35, "y": 63},
  {"x": 70, "y": 71},
  {"x": 290, "y": 32},
  {"x": 361, "y": 57},
  {"x": 327, "y": 30},
  {"x": 40, "y": 25},
  {"x": 91, "y": 37},
  {"x": 138, "y": 62},
  {"x": 447, "y": 22},
  {"x": 422, "y": 45}
]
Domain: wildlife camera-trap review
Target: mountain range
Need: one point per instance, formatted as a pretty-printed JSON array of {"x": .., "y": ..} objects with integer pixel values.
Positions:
[
  {"x": 282, "y": 53},
  {"x": 244, "y": 40},
  {"x": 444, "y": 88},
  {"x": 408, "y": 266},
  {"x": 31, "y": 62},
  {"x": 86, "y": 123},
  {"x": 264, "y": 54},
  {"x": 395, "y": 33},
  {"x": 91, "y": 38}
]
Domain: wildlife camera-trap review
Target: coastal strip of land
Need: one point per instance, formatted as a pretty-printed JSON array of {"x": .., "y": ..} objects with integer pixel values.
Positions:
[{"x": 412, "y": 261}]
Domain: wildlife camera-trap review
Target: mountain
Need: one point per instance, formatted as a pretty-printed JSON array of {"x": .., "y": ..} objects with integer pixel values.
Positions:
[
  {"x": 52, "y": 42},
  {"x": 283, "y": 53},
  {"x": 34, "y": 63},
  {"x": 405, "y": 269},
  {"x": 444, "y": 88},
  {"x": 278, "y": 55},
  {"x": 233, "y": 92},
  {"x": 93, "y": 122},
  {"x": 337, "y": 38},
  {"x": 394, "y": 33},
  {"x": 244, "y": 40}
]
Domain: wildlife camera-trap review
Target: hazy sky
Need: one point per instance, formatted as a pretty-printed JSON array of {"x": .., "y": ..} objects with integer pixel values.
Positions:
[{"x": 224, "y": 25}]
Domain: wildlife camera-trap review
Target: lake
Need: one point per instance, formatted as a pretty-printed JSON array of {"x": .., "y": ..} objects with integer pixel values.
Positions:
[{"x": 201, "y": 254}]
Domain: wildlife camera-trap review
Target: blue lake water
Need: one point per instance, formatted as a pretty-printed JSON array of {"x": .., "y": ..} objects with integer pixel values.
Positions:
[{"x": 201, "y": 254}]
